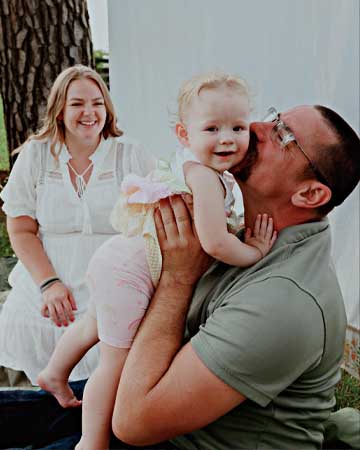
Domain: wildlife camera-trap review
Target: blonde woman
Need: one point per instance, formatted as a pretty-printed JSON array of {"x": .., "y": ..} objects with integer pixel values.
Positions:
[{"x": 58, "y": 200}]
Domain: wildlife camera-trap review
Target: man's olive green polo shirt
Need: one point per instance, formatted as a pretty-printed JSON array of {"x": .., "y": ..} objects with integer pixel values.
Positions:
[{"x": 274, "y": 332}]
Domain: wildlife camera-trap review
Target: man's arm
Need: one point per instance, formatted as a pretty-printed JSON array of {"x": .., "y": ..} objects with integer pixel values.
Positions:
[{"x": 166, "y": 390}]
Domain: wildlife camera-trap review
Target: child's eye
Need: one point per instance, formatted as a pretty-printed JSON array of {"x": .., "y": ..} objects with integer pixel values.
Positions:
[
  {"x": 238, "y": 128},
  {"x": 211, "y": 129}
]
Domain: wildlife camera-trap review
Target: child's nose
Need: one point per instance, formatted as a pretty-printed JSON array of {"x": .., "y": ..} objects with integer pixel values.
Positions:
[{"x": 226, "y": 138}]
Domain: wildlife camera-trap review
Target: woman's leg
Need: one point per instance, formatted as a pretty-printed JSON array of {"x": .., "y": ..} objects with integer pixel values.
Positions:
[
  {"x": 72, "y": 346},
  {"x": 99, "y": 398}
]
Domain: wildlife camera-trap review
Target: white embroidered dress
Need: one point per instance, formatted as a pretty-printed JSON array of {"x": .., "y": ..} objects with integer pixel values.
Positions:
[{"x": 71, "y": 228}]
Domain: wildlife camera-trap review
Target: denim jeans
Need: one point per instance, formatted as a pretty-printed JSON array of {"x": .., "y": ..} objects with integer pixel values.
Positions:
[{"x": 35, "y": 420}]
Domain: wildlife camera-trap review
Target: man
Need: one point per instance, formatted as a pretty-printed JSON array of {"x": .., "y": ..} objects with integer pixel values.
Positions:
[{"x": 263, "y": 344}]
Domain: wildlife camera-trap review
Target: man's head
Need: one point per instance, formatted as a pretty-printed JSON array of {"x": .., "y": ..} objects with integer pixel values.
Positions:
[{"x": 308, "y": 157}]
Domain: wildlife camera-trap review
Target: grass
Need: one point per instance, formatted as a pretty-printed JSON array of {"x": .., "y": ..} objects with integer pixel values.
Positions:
[
  {"x": 5, "y": 247},
  {"x": 348, "y": 392},
  {"x": 4, "y": 155}
]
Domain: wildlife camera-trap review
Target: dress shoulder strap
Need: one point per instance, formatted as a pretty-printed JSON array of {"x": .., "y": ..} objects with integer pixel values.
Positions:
[
  {"x": 43, "y": 160},
  {"x": 118, "y": 150}
]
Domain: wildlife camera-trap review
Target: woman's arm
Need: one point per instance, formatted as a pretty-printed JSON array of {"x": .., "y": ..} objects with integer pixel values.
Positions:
[
  {"x": 58, "y": 300},
  {"x": 210, "y": 221}
]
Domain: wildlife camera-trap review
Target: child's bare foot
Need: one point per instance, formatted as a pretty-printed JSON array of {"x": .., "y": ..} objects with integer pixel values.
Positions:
[{"x": 59, "y": 389}]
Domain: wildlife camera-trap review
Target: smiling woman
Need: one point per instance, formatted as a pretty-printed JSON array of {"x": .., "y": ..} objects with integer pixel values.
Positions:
[{"x": 58, "y": 200}]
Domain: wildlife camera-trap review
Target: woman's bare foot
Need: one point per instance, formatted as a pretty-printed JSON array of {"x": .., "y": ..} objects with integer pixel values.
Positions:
[{"x": 59, "y": 389}]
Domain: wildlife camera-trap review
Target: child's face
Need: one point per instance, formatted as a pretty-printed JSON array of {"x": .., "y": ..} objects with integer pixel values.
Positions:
[
  {"x": 84, "y": 112},
  {"x": 216, "y": 127}
]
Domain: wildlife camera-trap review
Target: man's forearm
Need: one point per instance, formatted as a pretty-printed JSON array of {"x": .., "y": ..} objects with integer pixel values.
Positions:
[{"x": 157, "y": 342}]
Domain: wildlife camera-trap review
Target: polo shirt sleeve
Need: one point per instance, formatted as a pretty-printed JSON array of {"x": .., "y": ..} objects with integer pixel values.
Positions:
[{"x": 262, "y": 338}]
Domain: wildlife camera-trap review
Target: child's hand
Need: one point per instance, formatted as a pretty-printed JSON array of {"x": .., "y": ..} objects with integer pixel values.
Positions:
[{"x": 264, "y": 234}]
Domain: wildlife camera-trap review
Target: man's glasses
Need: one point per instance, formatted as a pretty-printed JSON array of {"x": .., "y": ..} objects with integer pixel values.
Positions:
[{"x": 282, "y": 134}]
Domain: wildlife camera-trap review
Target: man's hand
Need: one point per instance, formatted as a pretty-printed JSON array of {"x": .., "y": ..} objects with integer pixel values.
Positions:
[{"x": 184, "y": 261}]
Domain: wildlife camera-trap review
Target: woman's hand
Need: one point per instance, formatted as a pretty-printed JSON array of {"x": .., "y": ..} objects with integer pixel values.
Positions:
[
  {"x": 58, "y": 304},
  {"x": 183, "y": 258}
]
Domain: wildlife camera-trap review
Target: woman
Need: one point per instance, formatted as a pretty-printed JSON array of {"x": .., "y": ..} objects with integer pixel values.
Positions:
[{"x": 58, "y": 201}]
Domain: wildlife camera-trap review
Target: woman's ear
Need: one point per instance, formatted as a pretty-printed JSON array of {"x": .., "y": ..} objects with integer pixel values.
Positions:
[
  {"x": 181, "y": 134},
  {"x": 312, "y": 194}
]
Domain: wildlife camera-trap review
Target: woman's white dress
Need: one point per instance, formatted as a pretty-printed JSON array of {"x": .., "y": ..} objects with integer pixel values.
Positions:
[{"x": 71, "y": 229}]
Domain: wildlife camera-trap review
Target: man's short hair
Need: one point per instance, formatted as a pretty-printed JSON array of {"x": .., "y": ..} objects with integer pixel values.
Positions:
[{"x": 339, "y": 161}]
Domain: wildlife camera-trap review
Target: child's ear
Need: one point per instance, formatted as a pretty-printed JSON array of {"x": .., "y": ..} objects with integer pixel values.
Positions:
[{"x": 182, "y": 135}]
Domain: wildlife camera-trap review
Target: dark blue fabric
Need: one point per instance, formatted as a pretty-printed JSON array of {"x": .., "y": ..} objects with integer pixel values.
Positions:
[{"x": 34, "y": 420}]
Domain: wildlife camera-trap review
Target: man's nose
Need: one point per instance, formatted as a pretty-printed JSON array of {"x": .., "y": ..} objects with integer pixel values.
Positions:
[{"x": 261, "y": 129}]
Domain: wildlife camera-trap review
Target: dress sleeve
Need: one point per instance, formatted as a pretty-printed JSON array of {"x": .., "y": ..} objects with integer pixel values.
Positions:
[
  {"x": 136, "y": 159},
  {"x": 262, "y": 338},
  {"x": 19, "y": 194}
]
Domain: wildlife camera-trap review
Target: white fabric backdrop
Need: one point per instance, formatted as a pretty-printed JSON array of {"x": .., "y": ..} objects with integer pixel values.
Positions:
[{"x": 291, "y": 53}]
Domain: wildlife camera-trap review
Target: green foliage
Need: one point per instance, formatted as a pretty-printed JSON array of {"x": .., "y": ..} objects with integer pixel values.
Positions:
[
  {"x": 5, "y": 247},
  {"x": 4, "y": 155},
  {"x": 348, "y": 392}
]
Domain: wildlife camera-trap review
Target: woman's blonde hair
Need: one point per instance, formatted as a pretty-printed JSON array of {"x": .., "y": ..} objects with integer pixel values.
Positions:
[
  {"x": 53, "y": 128},
  {"x": 192, "y": 88}
]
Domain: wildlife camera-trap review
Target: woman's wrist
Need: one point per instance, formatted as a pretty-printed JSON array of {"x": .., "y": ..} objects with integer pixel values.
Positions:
[{"x": 47, "y": 283}]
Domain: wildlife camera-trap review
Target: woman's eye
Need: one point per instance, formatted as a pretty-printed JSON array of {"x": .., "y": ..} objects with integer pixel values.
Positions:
[{"x": 99, "y": 104}]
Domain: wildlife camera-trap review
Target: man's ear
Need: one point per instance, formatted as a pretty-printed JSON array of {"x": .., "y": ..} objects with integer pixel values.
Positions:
[
  {"x": 182, "y": 135},
  {"x": 311, "y": 194}
]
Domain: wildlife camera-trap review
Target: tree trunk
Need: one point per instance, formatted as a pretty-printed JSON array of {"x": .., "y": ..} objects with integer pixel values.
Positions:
[{"x": 38, "y": 39}]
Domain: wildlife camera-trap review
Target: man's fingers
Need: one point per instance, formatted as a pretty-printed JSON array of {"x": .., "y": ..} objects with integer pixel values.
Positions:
[
  {"x": 189, "y": 202},
  {"x": 182, "y": 216},
  {"x": 160, "y": 230},
  {"x": 168, "y": 219}
]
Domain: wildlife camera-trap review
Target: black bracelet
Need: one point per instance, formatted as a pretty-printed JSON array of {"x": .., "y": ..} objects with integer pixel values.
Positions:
[{"x": 47, "y": 283}]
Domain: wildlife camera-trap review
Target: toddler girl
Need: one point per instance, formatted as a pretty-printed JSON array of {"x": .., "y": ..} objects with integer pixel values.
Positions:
[{"x": 213, "y": 128}]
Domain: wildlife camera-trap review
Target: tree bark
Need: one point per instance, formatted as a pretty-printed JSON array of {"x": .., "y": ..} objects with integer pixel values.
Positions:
[{"x": 38, "y": 39}]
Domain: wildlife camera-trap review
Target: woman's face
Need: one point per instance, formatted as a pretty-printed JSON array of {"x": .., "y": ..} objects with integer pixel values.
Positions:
[{"x": 84, "y": 112}]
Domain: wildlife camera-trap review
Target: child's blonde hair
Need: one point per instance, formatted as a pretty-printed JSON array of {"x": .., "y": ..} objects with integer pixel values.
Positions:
[
  {"x": 192, "y": 88},
  {"x": 53, "y": 128}
]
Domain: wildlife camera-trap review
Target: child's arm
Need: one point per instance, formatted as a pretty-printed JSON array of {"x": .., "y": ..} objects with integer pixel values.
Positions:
[{"x": 211, "y": 226}]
